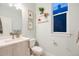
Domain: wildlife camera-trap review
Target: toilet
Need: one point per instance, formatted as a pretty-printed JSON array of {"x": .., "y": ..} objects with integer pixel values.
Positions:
[{"x": 35, "y": 49}]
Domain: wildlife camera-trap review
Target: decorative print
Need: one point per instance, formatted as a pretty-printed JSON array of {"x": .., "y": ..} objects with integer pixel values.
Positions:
[
  {"x": 30, "y": 14},
  {"x": 42, "y": 19},
  {"x": 30, "y": 20},
  {"x": 43, "y": 16}
]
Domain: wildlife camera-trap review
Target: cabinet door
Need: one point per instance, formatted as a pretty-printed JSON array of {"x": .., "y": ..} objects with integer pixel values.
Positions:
[
  {"x": 6, "y": 51},
  {"x": 21, "y": 49}
]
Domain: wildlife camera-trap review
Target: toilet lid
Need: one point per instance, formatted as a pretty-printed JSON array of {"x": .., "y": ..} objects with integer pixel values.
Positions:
[{"x": 37, "y": 48}]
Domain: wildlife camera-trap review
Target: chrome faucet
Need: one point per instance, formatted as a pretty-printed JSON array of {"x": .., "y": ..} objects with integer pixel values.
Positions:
[
  {"x": 15, "y": 33},
  {"x": 12, "y": 35}
]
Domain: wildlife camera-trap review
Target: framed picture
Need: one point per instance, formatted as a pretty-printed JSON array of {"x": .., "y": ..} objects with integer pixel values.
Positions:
[
  {"x": 30, "y": 24},
  {"x": 30, "y": 20},
  {"x": 30, "y": 14}
]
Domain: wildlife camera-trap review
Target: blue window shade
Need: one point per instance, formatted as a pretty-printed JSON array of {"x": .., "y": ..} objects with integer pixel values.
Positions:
[
  {"x": 60, "y": 23},
  {"x": 59, "y": 17},
  {"x": 59, "y": 8}
]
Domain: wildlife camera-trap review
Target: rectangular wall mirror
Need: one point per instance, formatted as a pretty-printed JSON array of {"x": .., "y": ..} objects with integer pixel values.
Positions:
[{"x": 10, "y": 18}]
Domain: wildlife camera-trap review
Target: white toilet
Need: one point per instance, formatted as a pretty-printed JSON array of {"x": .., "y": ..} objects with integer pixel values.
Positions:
[{"x": 35, "y": 50}]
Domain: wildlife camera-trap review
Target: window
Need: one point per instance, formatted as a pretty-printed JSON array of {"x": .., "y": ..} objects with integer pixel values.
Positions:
[{"x": 60, "y": 17}]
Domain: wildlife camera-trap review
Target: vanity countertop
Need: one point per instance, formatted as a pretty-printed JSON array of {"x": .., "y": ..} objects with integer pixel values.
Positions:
[{"x": 9, "y": 41}]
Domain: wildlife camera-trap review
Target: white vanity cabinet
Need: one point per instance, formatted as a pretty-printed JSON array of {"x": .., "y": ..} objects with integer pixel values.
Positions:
[
  {"x": 6, "y": 51},
  {"x": 21, "y": 49},
  {"x": 17, "y": 47}
]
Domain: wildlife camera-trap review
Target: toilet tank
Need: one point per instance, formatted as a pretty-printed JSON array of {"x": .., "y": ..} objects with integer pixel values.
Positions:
[{"x": 32, "y": 42}]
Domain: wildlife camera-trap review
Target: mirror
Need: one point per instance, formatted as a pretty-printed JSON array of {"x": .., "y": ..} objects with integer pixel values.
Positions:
[{"x": 10, "y": 18}]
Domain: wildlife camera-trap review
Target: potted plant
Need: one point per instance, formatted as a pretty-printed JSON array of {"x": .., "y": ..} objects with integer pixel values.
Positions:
[{"x": 41, "y": 9}]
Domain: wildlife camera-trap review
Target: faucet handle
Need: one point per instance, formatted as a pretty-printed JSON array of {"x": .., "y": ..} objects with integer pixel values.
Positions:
[{"x": 12, "y": 35}]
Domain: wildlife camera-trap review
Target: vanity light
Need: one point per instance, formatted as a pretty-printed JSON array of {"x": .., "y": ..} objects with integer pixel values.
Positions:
[
  {"x": 17, "y": 5},
  {"x": 10, "y": 4},
  {"x": 17, "y": 8}
]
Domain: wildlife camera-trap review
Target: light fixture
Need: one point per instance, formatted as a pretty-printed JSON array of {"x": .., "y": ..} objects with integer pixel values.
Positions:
[
  {"x": 10, "y": 4},
  {"x": 17, "y": 5}
]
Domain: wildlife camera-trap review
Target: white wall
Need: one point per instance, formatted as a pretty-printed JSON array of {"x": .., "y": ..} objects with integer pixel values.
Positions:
[
  {"x": 74, "y": 28},
  {"x": 65, "y": 42},
  {"x": 25, "y": 31}
]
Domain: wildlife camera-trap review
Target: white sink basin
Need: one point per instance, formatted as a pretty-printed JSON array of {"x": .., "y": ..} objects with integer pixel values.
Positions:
[{"x": 5, "y": 40}]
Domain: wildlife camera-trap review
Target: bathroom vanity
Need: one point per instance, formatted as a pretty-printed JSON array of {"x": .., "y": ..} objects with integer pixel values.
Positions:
[
  {"x": 13, "y": 20},
  {"x": 14, "y": 47}
]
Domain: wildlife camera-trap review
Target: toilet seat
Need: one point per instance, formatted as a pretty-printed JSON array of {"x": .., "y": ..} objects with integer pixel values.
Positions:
[{"x": 37, "y": 48}]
